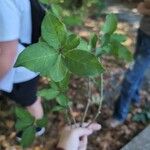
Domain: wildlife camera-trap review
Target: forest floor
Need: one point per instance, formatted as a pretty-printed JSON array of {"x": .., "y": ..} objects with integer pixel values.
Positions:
[{"x": 107, "y": 138}]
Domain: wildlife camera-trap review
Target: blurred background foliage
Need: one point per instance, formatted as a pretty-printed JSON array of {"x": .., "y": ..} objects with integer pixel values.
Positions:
[{"x": 74, "y": 12}]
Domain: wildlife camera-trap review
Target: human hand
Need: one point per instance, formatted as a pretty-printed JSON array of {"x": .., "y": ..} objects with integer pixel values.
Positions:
[{"x": 76, "y": 138}]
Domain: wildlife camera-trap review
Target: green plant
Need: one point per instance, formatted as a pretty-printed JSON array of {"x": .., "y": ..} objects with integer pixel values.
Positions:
[
  {"x": 74, "y": 12},
  {"x": 143, "y": 116},
  {"x": 59, "y": 54},
  {"x": 27, "y": 124}
]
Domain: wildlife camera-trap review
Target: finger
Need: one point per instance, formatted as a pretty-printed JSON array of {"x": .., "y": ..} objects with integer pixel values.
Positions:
[
  {"x": 82, "y": 132},
  {"x": 85, "y": 124},
  {"x": 77, "y": 125},
  {"x": 94, "y": 127},
  {"x": 74, "y": 126}
]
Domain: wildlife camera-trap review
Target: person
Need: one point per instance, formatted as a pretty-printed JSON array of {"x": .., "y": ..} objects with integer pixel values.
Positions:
[
  {"x": 20, "y": 23},
  {"x": 133, "y": 78},
  {"x": 76, "y": 138}
]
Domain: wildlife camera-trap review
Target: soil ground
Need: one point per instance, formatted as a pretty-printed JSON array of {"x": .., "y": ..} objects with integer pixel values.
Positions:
[{"x": 106, "y": 139}]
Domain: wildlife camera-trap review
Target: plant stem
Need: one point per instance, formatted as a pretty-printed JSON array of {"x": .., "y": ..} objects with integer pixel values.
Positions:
[
  {"x": 85, "y": 113},
  {"x": 88, "y": 103},
  {"x": 73, "y": 118},
  {"x": 67, "y": 117},
  {"x": 100, "y": 102}
]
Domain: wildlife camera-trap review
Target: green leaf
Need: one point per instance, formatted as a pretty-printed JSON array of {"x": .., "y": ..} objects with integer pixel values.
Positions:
[
  {"x": 58, "y": 108},
  {"x": 72, "y": 42},
  {"x": 139, "y": 117},
  {"x": 124, "y": 53},
  {"x": 120, "y": 51},
  {"x": 22, "y": 124},
  {"x": 41, "y": 40},
  {"x": 72, "y": 20},
  {"x": 99, "y": 51},
  {"x": 83, "y": 45},
  {"x": 24, "y": 118},
  {"x": 54, "y": 31},
  {"x": 48, "y": 94},
  {"x": 110, "y": 24},
  {"x": 59, "y": 70},
  {"x": 45, "y": 1},
  {"x": 63, "y": 85},
  {"x": 28, "y": 137},
  {"x": 83, "y": 63},
  {"x": 93, "y": 41},
  {"x": 105, "y": 40},
  {"x": 148, "y": 115},
  {"x": 42, "y": 122},
  {"x": 39, "y": 58},
  {"x": 119, "y": 37},
  {"x": 54, "y": 85},
  {"x": 57, "y": 10},
  {"x": 62, "y": 100},
  {"x": 22, "y": 114},
  {"x": 104, "y": 50}
]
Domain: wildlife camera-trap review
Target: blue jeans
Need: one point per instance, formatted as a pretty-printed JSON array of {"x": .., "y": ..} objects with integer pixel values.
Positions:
[{"x": 134, "y": 77}]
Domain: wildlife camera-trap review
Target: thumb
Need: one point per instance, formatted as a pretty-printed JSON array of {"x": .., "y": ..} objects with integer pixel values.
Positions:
[{"x": 83, "y": 143}]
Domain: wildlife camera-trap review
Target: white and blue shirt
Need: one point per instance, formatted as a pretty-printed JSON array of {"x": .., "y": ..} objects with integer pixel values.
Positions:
[{"x": 15, "y": 23}]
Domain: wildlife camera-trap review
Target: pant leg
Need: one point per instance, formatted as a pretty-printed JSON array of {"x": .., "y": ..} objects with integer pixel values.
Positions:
[
  {"x": 138, "y": 43},
  {"x": 142, "y": 48},
  {"x": 24, "y": 93},
  {"x": 136, "y": 95},
  {"x": 133, "y": 78}
]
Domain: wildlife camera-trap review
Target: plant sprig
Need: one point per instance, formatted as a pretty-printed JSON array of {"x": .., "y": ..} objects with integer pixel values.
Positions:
[{"x": 59, "y": 54}]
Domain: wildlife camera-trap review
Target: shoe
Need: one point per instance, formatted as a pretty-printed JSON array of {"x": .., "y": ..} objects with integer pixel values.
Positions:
[
  {"x": 113, "y": 123},
  {"x": 39, "y": 132}
]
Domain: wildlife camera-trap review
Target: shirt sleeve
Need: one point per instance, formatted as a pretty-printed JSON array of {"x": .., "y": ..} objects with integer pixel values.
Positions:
[{"x": 9, "y": 21}]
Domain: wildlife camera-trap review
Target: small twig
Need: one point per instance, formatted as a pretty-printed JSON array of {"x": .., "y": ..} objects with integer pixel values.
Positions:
[
  {"x": 85, "y": 113},
  {"x": 73, "y": 118},
  {"x": 88, "y": 103},
  {"x": 102, "y": 96},
  {"x": 67, "y": 117},
  {"x": 100, "y": 102}
]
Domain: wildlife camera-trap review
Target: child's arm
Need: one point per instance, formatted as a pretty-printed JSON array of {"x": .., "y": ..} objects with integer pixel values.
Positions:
[
  {"x": 8, "y": 51},
  {"x": 144, "y": 8}
]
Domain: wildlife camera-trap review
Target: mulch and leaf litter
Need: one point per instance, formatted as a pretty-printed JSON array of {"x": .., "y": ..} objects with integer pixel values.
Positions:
[{"x": 107, "y": 138}]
